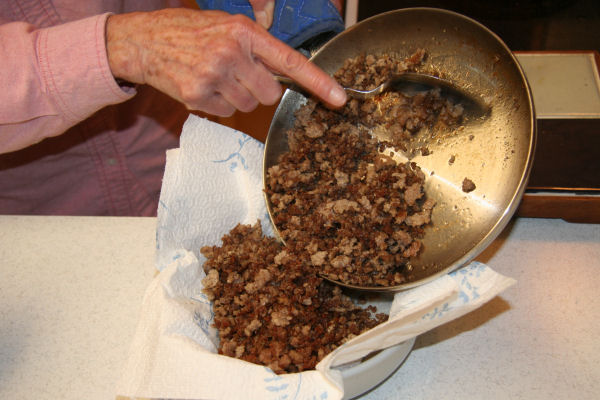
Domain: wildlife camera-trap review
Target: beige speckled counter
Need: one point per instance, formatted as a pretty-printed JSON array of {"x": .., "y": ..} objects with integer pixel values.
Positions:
[
  {"x": 70, "y": 294},
  {"x": 71, "y": 288}
]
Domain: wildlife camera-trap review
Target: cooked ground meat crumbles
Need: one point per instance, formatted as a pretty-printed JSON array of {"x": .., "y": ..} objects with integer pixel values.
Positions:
[
  {"x": 270, "y": 306},
  {"x": 358, "y": 212},
  {"x": 400, "y": 116},
  {"x": 468, "y": 185},
  {"x": 345, "y": 210}
]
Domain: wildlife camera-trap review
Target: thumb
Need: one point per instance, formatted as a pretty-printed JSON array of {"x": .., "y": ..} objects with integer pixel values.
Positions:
[{"x": 263, "y": 12}]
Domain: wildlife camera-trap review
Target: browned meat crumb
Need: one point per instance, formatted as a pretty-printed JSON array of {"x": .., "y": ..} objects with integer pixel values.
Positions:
[
  {"x": 271, "y": 307},
  {"x": 452, "y": 159},
  {"x": 468, "y": 185}
]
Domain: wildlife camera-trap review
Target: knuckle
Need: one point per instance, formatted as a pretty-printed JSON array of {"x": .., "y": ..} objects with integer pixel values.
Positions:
[
  {"x": 318, "y": 83},
  {"x": 239, "y": 26},
  {"x": 207, "y": 75},
  {"x": 293, "y": 61},
  {"x": 187, "y": 96},
  {"x": 225, "y": 57},
  {"x": 240, "y": 21},
  {"x": 194, "y": 94}
]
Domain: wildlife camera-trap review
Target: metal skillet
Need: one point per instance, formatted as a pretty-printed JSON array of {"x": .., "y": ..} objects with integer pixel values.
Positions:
[{"x": 495, "y": 152}]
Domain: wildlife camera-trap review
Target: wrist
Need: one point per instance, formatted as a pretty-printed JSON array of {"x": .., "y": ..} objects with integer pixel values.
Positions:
[{"x": 120, "y": 52}]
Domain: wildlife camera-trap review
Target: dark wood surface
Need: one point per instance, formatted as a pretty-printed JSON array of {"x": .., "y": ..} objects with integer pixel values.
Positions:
[
  {"x": 567, "y": 155},
  {"x": 565, "y": 177},
  {"x": 572, "y": 208},
  {"x": 524, "y": 25}
]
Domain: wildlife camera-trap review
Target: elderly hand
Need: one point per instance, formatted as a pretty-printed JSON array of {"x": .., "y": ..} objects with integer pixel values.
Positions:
[{"x": 210, "y": 61}]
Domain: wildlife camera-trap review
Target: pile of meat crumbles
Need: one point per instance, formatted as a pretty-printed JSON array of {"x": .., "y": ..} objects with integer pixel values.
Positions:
[
  {"x": 345, "y": 211},
  {"x": 357, "y": 212},
  {"x": 270, "y": 306}
]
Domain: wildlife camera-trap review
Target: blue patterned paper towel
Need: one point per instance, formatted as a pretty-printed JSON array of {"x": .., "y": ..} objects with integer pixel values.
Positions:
[{"x": 211, "y": 183}]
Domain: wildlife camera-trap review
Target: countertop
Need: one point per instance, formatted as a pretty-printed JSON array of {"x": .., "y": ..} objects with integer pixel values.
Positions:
[{"x": 71, "y": 290}]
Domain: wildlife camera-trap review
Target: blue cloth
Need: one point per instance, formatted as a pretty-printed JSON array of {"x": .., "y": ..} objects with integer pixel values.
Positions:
[{"x": 294, "y": 21}]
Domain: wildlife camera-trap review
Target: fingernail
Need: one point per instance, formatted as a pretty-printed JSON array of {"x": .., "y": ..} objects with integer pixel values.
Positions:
[{"x": 337, "y": 96}]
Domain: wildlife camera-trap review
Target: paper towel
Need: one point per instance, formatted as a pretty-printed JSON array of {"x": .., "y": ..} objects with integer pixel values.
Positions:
[{"x": 212, "y": 183}]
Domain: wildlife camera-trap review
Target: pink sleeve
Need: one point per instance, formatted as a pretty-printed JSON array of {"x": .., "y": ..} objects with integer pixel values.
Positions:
[{"x": 52, "y": 78}]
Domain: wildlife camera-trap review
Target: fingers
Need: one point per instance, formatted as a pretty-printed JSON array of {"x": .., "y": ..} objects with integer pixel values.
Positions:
[
  {"x": 263, "y": 12},
  {"x": 240, "y": 98},
  {"x": 237, "y": 75},
  {"x": 217, "y": 106},
  {"x": 209, "y": 60},
  {"x": 289, "y": 62}
]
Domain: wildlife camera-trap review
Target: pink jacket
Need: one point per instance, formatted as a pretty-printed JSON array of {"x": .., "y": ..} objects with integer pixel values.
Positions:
[{"x": 72, "y": 142}]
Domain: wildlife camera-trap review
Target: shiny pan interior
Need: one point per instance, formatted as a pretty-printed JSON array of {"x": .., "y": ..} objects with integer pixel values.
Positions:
[{"x": 495, "y": 152}]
